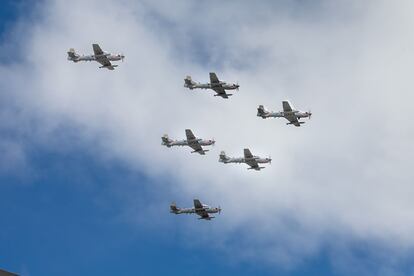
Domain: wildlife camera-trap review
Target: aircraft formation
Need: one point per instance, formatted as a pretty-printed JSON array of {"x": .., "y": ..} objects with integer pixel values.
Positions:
[{"x": 196, "y": 144}]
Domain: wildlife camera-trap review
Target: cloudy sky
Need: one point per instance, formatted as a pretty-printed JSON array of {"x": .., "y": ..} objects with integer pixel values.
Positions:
[{"x": 86, "y": 185}]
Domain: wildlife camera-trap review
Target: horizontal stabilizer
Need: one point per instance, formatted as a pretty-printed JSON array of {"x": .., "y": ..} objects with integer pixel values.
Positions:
[
  {"x": 72, "y": 55},
  {"x": 166, "y": 141},
  {"x": 188, "y": 82},
  {"x": 261, "y": 111},
  {"x": 173, "y": 208}
]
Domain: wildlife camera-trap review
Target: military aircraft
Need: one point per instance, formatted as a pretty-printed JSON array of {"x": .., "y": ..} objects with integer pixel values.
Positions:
[
  {"x": 289, "y": 112},
  {"x": 6, "y": 273},
  {"x": 215, "y": 84},
  {"x": 191, "y": 141},
  {"x": 100, "y": 56},
  {"x": 202, "y": 210},
  {"x": 249, "y": 159}
]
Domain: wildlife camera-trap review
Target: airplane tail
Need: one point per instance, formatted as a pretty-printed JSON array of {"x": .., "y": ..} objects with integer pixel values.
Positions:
[
  {"x": 166, "y": 141},
  {"x": 72, "y": 55},
  {"x": 223, "y": 157},
  {"x": 173, "y": 208},
  {"x": 188, "y": 82},
  {"x": 262, "y": 112}
]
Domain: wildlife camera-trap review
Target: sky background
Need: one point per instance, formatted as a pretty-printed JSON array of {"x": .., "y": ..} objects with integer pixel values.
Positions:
[{"x": 85, "y": 184}]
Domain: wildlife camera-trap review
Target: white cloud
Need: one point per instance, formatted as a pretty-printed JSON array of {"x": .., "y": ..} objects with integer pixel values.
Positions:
[{"x": 346, "y": 174}]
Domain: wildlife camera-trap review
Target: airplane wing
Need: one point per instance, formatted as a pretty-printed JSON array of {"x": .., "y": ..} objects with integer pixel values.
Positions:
[
  {"x": 104, "y": 61},
  {"x": 221, "y": 92},
  {"x": 213, "y": 78},
  {"x": 6, "y": 273},
  {"x": 289, "y": 115},
  {"x": 249, "y": 159},
  {"x": 97, "y": 50},
  {"x": 197, "y": 204},
  {"x": 204, "y": 215},
  {"x": 189, "y": 134},
  {"x": 100, "y": 57},
  {"x": 252, "y": 163},
  {"x": 292, "y": 119},
  {"x": 218, "y": 89},
  {"x": 193, "y": 143},
  {"x": 199, "y": 208},
  {"x": 247, "y": 154},
  {"x": 196, "y": 147},
  {"x": 287, "y": 107}
]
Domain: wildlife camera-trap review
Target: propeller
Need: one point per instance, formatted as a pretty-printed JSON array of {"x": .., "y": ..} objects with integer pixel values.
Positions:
[
  {"x": 237, "y": 86},
  {"x": 219, "y": 210},
  {"x": 270, "y": 159},
  {"x": 310, "y": 114},
  {"x": 214, "y": 142}
]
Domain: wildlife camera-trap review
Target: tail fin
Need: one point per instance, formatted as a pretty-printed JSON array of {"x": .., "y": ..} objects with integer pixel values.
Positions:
[
  {"x": 72, "y": 55},
  {"x": 166, "y": 141},
  {"x": 223, "y": 157},
  {"x": 261, "y": 111},
  {"x": 173, "y": 208},
  {"x": 188, "y": 82}
]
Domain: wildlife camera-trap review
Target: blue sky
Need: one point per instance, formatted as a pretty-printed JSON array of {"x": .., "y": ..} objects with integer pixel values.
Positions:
[
  {"x": 53, "y": 225},
  {"x": 79, "y": 196}
]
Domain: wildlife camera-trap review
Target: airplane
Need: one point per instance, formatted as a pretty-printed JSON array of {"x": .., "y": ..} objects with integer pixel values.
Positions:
[
  {"x": 100, "y": 56},
  {"x": 6, "y": 273},
  {"x": 215, "y": 84},
  {"x": 191, "y": 141},
  {"x": 200, "y": 209},
  {"x": 289, "y": 112},
  {"x": 250, "y": 159}
]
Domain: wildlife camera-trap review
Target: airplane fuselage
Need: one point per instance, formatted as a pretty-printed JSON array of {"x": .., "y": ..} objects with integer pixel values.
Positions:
[
  {"x": 224, "y": 85},
  {"x": 110, "y": 57},
  {"x": 210, "y": 210},
  {"x": 202, "y": 142},
  {"x": 284, "y": 114},
  {"x": 246, "y": 160},
  {"x": 292, "y": 116},
  {"x": 199, "y": 211}
]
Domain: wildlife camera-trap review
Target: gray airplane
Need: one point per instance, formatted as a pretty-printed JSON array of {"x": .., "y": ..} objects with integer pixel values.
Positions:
[
  {"x": 6, "y": 273},
  {"x": 200, "y": 209},
  {"x": 249, "y": 159},
  {"x": 215, "y": 84},
  {"x": 289, "y": 112},
  {"x": 100, "y": 56},
  {"x": 191, "y": 141}
]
